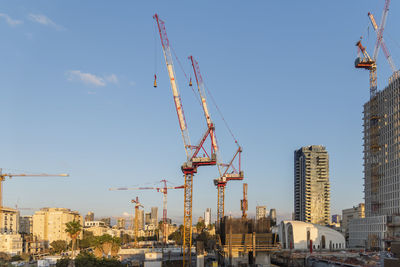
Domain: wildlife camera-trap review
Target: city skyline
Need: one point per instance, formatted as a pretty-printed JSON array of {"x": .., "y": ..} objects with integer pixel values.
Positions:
[{"x": 78, "y": 98}]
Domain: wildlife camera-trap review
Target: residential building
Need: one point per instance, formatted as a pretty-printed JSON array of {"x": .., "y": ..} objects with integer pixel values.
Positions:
[
  {"x": 311, "y": 185},
  {"x": 121, "y": 223},
  {"x": 140, "y": 219},
  {"x": 147, "y": 217},
  {"x": 11, "y": 243},
  {"x": 261, "y": 212},
  {"x": 49, "y": 223},
  {"x": 207, "y": 217},
  {"x": 107, "y": 221},
  {"x": 272, "y": 216},
  {"x": 336, "y": 218},
  {"x": 154, "y": 216},
  {"x": 89, "y": 216},
  {"x": 26, "y": 225},
  {"x": 95, "y": 223},
  {"x": 9, "y": 221}
]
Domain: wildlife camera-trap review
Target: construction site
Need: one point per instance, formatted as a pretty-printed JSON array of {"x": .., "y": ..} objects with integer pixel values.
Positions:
[{"x": 373, "y": 239}]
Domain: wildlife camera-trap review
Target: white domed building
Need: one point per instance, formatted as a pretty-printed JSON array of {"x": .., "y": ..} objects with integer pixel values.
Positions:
[{"x": 300, "y": 235}]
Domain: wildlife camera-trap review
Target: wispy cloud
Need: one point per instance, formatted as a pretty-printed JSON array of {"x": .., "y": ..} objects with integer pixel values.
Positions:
[
  {"x": 111, "y": 78},
  {"x": 9, "y": 20},
  {"x": 86, "y": 78},
  {"x": 91, "y": 79},
  {"x": 42, "y": 19}
]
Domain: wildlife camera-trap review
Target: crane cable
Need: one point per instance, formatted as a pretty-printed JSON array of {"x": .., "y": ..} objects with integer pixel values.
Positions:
[
  {"x": 222, "y": 116},
  {"x": 187, "y": 80}
]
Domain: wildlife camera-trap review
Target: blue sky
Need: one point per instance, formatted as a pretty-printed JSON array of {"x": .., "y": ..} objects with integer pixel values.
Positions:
[{"x": 77, "y": 97}]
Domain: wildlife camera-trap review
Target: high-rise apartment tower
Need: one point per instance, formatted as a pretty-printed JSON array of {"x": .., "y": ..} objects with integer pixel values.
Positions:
[{"x": 311, "y": 185}]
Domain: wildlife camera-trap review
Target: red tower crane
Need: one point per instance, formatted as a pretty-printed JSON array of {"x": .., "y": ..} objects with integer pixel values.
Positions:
[
  {"x": 224, "y": 176},
  {"x": 193, "y": 161},
  {"x": 164, "y": 191},
  {"x": 137, "y": 206}
]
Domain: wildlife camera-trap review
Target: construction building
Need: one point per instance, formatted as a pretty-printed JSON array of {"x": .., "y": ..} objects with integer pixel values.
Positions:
[
  {"x": 381, "y": 170},
  {"x": 49, "y": 223},
  {"x": 207, "y": 217},
  {"x": 245, "y": 242},
  {"x": 261, "y": 212},
  {"x": 9, "y": 221},
  {"x": 311, "y": 185}
]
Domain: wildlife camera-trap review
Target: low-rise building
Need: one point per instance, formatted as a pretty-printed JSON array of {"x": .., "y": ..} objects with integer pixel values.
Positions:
[
  {"x": 301, "y": 235},
  {"x": 374, "y": 232},
  {"x": 95, "y": 223},
  {"x": 11, "y": 243}
]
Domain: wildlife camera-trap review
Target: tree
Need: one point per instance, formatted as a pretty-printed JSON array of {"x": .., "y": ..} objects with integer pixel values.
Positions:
[
  {"x": 87, "y": 240},
  {"x": 73, "y": 228},
  {"x": 106, "y": 244},
  {"x": 177, "y": 235},
  {"x": 200, "y": 226},
  {"x": 58, "y": 246}
]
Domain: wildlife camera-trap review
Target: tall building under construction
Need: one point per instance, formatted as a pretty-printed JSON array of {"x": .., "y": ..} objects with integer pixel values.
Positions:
[
  {"x": 382, "y": 151},
  {"x": 311, "y": 185}
]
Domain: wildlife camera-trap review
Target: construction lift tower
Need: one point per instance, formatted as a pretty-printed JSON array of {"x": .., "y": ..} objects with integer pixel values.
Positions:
[
  {"x": 193, "y": 161},
  {"x": 164, "y": 191},
  {"x": 364, "y": 61},
  {"x": 224, "y": 176},
  {"x": 11, "y": 175},
  {"x": 137, "y": 206}
]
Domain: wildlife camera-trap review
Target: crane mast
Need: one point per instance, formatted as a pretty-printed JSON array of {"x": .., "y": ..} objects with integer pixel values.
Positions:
[{"x": 137, "y": 206}]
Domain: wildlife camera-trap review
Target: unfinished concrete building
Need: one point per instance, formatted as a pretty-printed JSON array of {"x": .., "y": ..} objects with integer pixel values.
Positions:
[
  {"x": 311, "y": 185},
  {"x": 382, "y": 151},
  {"x": 244, "y": 242}
]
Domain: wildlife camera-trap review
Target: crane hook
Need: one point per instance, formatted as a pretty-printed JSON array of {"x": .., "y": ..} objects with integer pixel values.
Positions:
[
  {"x": 190, "y": 82},
  {"x": 155, "y": 81}
]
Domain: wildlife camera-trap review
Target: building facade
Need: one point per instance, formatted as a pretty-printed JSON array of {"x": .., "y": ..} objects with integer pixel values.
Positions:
[
  {"x": 11, "y": 243},
  {"x": 355, "y": 212},
  {"x": 261, "y": 212},
  {"x": 89, "y": 216},
  {"x": 382, "y": 151},
  {"x": 121, "y": 223},
  {"x": 9, "y": 221},
  {"x": 207, "y": 217},
  {"x": 154, "y": 216},
  {"x": 311, "y": 185},
  {"x": 49, "y": 223},
  {"x": 26, "y": 225}
]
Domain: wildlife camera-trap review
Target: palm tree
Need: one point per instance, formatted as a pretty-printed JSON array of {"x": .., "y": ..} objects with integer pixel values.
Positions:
[{"x": 73, "y": 228}]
